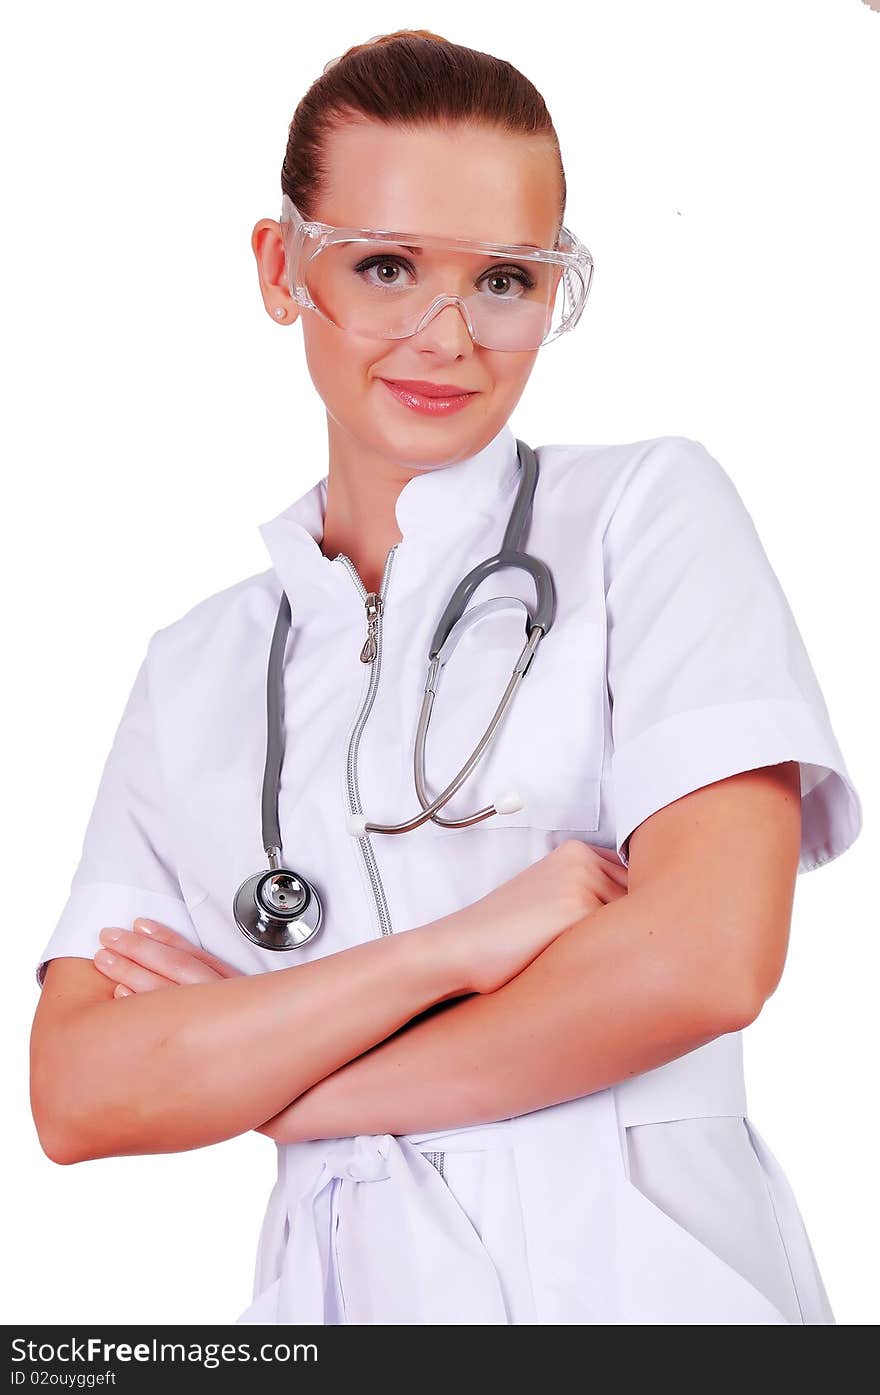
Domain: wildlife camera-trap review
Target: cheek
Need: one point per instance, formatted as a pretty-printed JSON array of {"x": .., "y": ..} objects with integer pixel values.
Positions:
[
  {"x": 338, "y": 365},
  {"x": 510, "y": 373}
]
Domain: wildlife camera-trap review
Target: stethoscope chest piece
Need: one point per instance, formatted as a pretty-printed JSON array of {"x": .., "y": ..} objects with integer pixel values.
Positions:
[{"x": 278, "y": 909}]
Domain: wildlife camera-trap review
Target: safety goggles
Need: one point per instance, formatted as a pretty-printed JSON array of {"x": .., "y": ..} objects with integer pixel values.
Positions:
[{"x": 388, "y": 285}]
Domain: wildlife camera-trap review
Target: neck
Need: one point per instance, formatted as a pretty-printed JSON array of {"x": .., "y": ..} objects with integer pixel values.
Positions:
[{"x": 359, "y": 519}]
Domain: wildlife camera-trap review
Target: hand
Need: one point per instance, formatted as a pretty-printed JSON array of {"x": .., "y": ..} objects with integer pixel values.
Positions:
[
  {"x": 505, "y": 930},
  {"x": 153, "y": 956}
]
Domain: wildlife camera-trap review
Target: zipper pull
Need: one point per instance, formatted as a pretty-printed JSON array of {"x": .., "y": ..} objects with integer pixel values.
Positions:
[{"x": 373, "y": 602}]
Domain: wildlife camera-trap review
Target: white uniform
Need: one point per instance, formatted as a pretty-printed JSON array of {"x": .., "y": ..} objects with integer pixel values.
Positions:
[{"x": 674, "y": 662}]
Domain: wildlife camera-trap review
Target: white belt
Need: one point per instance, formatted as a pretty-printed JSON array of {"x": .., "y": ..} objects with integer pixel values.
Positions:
[
  {"x": 405, "y": 1250},
  {"x": 705, "y": 1082}
]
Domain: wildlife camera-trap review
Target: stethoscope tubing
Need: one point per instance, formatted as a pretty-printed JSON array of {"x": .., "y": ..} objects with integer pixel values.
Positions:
[{"x": 259, "y": 904}]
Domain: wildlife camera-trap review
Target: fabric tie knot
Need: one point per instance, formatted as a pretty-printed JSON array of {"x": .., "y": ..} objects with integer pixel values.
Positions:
[{"x": 363, "y": 1159}]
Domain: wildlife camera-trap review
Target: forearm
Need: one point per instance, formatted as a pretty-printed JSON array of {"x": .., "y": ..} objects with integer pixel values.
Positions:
[
  {"x": 619, "y": 993},
  {"x": 190, "y": 1065}
]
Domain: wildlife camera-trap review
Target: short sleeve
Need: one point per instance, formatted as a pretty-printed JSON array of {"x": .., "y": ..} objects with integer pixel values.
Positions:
[
  {"x": 707, "y": 672},
  {"x": 126, "y": 868}
]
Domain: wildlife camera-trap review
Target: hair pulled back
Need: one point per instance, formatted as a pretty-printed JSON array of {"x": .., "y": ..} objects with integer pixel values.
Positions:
[{"x": 410, "y": 77}]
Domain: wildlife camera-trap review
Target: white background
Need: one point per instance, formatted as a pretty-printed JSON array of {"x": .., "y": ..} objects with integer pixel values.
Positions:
[{"x": 721, "y": 164}]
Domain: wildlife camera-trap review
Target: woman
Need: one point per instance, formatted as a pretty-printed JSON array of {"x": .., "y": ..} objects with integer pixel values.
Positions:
[{"x": 528, "y": 1108}]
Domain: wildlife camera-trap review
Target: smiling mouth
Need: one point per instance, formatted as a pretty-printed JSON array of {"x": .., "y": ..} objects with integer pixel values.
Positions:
[
  {"x": 429, "y": 399},
  {"x": 423, "y": 389}
]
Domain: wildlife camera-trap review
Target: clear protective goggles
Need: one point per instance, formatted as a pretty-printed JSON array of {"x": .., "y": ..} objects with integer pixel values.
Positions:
[{"x": 389, "y": 284}]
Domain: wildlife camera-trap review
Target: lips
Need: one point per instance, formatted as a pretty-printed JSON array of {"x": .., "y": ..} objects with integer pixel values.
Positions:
[{"x": 424, "y": 389}]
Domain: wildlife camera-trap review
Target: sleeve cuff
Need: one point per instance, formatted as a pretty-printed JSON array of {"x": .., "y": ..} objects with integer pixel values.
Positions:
[
  {"x": 93, "y": 905},
  {"x": 693, "y": 749}
]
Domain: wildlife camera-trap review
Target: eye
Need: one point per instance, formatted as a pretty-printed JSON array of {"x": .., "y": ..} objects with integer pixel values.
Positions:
[
  {"x": 388, "y": 266},
  {"x": 503, "y": 281}
]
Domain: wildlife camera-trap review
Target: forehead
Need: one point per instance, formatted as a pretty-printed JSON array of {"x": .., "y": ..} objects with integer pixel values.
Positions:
[{"x": 461, "y": 181}]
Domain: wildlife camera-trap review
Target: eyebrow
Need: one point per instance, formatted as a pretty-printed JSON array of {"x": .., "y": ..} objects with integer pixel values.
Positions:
[{"x": 418, "y": 250}]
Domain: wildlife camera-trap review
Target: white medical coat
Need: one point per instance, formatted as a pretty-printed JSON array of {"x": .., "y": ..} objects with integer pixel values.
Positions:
[{"x": 674, "y": 661}]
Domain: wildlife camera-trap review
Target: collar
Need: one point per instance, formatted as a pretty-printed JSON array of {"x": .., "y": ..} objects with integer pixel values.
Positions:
[{"x": 432, "y": 503}]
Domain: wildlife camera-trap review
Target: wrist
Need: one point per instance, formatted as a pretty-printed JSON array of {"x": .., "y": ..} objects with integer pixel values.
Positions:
[{"x": 439, "y": 953}]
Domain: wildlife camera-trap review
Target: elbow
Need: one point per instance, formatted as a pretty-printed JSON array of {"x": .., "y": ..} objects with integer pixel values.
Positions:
[
  {"x": 69, "y": 1135},
  {"x": 732, "y": 970},
  {"x": 709, "y": 1013},
  {"x": 752, "y": 999},
  {"x": 759, "y": 976},
  {"x": 63, "y": 1142},
  {"x": 739, "y": 1000},
  {"x": 56, "y": 1139},
  {"x": 43, "y": 1110},
  {"x": 731, "y": 1000},
  {"x": 60, "y": 1133},
  {"x": 721, "y": 996},
  {"x": 57, "y": 1148},
  {"x": 742, "y": 1011}
]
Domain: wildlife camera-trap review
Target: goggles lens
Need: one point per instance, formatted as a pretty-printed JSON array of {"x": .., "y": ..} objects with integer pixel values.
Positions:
[{"x": 385, "y": 289}]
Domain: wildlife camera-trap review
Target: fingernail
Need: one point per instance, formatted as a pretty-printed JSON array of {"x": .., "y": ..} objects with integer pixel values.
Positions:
[
  {"x": 111, "y": 933},
  {"x": 105, "y": 957},
  {"x": 144, "y": 926}
]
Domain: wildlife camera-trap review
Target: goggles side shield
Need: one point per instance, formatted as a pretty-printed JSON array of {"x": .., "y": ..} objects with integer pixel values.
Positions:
[{"x": 387, "y": 284}]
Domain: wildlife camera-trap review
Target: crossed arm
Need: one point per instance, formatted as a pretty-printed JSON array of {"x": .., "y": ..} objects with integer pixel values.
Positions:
[{"x": 692, "y": 951}]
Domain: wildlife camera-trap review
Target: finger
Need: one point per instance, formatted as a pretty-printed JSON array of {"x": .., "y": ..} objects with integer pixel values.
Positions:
[
  {"x": 613, "y": 890},
  {"x": 155, "y": 930},
  {"x": 618, "y": 874},
  {"x": 609, "y": 855},
  {"x": 127, "y": 973},
  {"x": 177, "y": 965},
  {"x": 608, "y": 864}
]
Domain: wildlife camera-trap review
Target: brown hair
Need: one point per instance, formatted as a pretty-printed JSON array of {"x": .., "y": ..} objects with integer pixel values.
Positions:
[{"x": 410, "y": 77}]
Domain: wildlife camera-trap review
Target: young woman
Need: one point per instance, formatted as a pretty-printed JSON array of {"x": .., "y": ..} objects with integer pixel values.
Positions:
[{"x": 499, "y": 1051}]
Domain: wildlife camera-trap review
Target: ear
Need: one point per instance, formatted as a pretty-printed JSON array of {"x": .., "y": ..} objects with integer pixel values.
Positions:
[{"x": 268, "y": 248}]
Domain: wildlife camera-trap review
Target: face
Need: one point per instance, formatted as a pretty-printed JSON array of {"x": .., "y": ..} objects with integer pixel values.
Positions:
[{"x": 477, "y": 183}]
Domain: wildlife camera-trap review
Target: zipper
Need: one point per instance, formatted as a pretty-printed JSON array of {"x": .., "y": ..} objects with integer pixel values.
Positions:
[{"x": 371, "y": 653}]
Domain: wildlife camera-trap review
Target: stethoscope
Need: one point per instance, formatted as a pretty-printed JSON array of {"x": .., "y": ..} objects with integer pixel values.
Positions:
[{"x": 279, "y": 908}]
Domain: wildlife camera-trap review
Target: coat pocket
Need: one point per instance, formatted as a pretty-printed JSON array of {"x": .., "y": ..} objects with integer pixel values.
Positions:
[
  {"x": 549, "y": 745},
  {"x": 668, "y": 1269}
]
